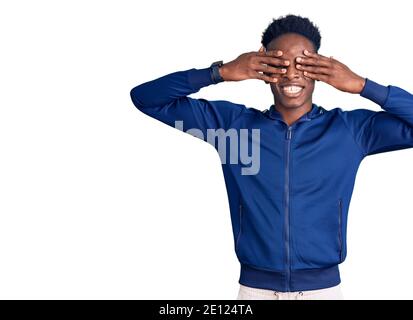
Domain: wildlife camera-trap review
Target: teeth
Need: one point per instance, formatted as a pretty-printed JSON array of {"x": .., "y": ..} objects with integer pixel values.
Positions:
[{"x": 292, "y": 89}]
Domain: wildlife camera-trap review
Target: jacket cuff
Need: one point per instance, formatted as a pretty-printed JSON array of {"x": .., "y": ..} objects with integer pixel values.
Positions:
[
  {"x": 199, "y": 78},
  {"x": 375, "y": 92}
]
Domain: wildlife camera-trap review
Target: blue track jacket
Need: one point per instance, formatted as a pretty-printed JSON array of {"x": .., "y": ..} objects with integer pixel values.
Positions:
[{"x": 289, "y": 219}]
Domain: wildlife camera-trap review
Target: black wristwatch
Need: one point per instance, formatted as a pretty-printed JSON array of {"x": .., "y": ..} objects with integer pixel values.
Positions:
[{"x": 215, "y": 76}]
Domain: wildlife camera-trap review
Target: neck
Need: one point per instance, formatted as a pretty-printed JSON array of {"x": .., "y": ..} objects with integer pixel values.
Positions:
[{"x": 291, "y": 115}]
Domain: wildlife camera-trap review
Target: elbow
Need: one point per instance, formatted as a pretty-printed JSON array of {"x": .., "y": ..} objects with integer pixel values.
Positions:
[{"x": 134, "y": 94}]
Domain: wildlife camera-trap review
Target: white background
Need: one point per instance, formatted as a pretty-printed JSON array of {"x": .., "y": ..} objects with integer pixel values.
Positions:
[{"x": 99, "y": 201}]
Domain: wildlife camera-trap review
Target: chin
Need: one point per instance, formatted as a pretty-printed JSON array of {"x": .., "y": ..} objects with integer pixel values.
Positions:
[{"x": 291, "y": 103}]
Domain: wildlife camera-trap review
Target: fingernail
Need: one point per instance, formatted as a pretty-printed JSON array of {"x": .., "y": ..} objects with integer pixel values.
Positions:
[
  {"x": 279, "y": 53},
  {"x": 299, "y": 59},
  {"x": 306, "y": 51}
]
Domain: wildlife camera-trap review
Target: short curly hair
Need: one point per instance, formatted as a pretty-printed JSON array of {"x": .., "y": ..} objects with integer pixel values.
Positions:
[{"x": 295, "y": 24}]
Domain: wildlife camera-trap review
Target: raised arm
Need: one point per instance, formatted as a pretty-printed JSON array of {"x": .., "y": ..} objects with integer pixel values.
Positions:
[
  {"x": 374, "y": 132},
  {"x": 166, "y": 98}
]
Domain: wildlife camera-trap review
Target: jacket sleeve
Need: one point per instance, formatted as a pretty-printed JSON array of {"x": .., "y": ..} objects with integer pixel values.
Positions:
[
  {"x": 166, "y": 99},
  {"x": 382, "y": 131}
]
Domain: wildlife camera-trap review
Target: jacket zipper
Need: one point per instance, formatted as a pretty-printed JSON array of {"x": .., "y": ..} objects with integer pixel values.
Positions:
[
  {"x": 240, "y": 225},
  {"x": 287, "y": 204},
  {"x": 340, "y": 240}
]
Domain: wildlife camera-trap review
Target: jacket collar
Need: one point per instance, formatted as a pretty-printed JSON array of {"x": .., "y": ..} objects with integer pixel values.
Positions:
[{"x": 313, "y": 113}]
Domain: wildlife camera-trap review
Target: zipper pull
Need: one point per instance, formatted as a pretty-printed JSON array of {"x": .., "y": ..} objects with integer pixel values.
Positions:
[{"x": 289, "y": 133}]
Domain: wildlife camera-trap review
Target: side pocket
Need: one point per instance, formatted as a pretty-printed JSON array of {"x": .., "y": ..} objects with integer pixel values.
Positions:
[
  {"x": 340, "y": 236},
  {"x": 240, "y": 226}
]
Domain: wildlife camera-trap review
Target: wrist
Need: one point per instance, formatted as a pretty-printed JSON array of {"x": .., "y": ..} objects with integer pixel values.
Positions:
[
  {"x": 375, "y": 92},
  {"x": 223, "y": 71},
  {"x": 361, "y": 82},
  {"x": 215, "y": 72}
]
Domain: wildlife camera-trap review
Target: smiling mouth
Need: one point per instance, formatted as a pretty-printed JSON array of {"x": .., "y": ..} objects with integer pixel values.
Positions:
[{"x": 292, "y": 91}]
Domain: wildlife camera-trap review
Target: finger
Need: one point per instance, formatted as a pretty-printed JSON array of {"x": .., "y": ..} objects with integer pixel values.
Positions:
[
  {"x": 273, "y": 61},
  {"x": 313, "y": 62},
  {"x": 269, "y": 69},
  {"x": 272, "y": 53},
  {"x": 266, "y": 78},
  {"x": 312, "y": 69},
  {"x": 316, "y": 76},
  {"x": 315, "y": 55}
]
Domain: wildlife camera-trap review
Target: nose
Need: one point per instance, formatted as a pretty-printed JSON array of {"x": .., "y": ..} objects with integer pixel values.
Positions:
[{"x": 292, "y": 71}]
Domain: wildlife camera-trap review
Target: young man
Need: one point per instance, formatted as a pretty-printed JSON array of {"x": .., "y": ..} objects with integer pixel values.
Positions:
[{"x": 289, "y": 212}]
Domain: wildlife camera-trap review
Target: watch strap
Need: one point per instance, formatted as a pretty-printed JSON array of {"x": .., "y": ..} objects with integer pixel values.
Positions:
[{"x": 215, "y": 76}]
